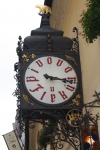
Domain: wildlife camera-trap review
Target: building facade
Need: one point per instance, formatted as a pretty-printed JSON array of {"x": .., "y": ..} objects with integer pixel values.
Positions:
[{"x": 65, "y": 16}]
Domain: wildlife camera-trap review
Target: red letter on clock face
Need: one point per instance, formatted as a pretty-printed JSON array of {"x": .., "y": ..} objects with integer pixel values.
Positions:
[
  {"x": 53, "y": 96},
  {"x": 39, "y": 63},
  {"x": 39, "y": 87},
  {"x": 31, "y": 79},
  {"x": 70, "y": 88},
  {"x": 49, "y": 60},
  {"x": 68, "y": 69},
  {"x": 52, "y": 89},
  {"x": 63, "y": 95},
  {"x": 59, "y": 63},
  {"x": 33, "y": 70},
  {"x": 72, "y": 78},
  {"x": 43, "y": 95}
]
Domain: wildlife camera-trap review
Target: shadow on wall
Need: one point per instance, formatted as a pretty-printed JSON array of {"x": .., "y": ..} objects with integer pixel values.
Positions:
[{"x": 99, "y": 42}]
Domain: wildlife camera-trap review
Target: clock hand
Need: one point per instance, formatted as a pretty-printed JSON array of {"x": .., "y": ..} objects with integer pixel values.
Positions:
[
  {"x": 56, "y": 78},
  {"x": 47, "y": 76},
  {"x": 65, "y": 80}
]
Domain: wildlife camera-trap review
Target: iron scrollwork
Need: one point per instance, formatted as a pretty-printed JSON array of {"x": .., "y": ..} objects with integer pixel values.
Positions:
[
  {"x": 75, "y": 46},
  {"x": 57, "y": 128},
  {"x": 96, "y": 102}
]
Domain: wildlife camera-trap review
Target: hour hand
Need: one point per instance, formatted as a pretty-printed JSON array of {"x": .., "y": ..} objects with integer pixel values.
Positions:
[
  {"x": 51, "y": 77},
  {"x": 48, "y": 77}
]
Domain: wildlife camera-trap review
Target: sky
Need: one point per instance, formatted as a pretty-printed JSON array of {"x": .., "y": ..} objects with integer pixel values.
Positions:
[{"x": 17, "y": 17}]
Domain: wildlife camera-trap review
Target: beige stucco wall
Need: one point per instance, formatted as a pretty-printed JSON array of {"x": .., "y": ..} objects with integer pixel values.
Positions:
[
  {"x": 65, "y": 16},
  {"x": 33, "y": 136}
]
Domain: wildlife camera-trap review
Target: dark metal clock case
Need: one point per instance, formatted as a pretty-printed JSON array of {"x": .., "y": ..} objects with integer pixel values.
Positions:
[{"x": 46, "y": 41}]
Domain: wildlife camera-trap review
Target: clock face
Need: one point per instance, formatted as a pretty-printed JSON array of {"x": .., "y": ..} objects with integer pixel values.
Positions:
[{"x": 50, "y": 80}]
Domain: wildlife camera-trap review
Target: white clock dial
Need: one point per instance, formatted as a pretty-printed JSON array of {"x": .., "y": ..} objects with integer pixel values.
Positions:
[{"x": 51, "y": 80}]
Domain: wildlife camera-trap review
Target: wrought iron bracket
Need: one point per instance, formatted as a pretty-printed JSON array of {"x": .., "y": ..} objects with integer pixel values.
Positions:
[{"x": 75, "y": 41}]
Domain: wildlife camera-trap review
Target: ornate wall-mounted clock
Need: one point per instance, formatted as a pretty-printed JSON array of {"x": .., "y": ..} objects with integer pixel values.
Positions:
[
  {"x": 50, "y": 70},
  {"x": 50, "y": 80}
]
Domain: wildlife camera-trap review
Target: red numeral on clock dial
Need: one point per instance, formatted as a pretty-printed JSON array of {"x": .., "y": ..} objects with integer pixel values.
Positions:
[
  {"x": 68, "y": 69},
  {"x": 43, "y": 95},
  {"x": 63, "y": 95},
  {"x": 59, "y": 63},
  {"x": 52, "y": 89},
  {"x": 49, "y": 60},
  {"x": 39, "y": 87},
  {"x": 70, "y": 88},
  {"x": 72, "y": 78},
  {"x": 39, "y": 63},
  {"x": 33, "y": 70},
  {"x": 53, "y": 96},
  {"x": 31, "y": 79}
]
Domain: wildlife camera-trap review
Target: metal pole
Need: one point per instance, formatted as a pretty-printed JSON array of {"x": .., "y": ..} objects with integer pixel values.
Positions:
[{"x": 26, "y": 134}]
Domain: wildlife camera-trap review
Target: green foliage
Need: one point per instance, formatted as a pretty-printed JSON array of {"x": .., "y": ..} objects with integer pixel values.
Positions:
[
  {"x": 43, "y": 139},
  {"x": 45, "y": 133},
  {"x": 90, "y": 20}
]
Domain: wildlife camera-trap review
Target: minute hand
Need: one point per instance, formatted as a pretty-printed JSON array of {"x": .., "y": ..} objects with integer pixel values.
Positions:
[
  {"x": 56, "y": 78},
  {"x": 63, "y": 80}
]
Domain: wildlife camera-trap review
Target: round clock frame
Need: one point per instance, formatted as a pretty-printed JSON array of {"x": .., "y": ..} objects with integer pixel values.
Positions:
[{"x": 50, "y": 80}]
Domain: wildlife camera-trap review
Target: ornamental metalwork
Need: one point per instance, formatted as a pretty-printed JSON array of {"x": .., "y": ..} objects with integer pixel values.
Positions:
[
  {"x": 65, "y": 126},
  {"x": 75, "y": 41},
  {"x": 71, "y": 59},
  {"x": 70, "y": 125}
]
